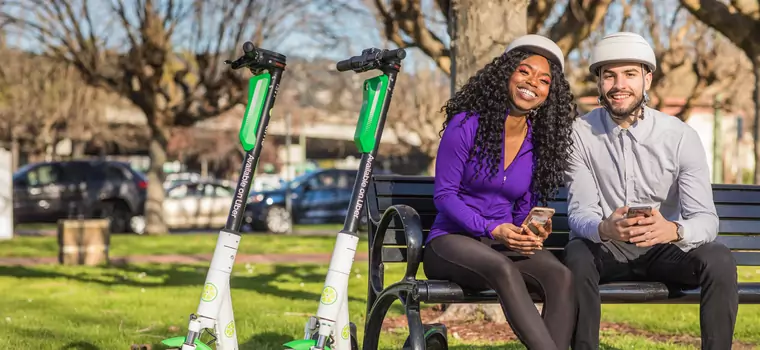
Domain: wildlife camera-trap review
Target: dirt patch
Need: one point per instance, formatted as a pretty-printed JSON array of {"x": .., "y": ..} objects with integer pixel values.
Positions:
[
  {"x": 479, "y": 330},
  {"x": 316, "y": 258}
]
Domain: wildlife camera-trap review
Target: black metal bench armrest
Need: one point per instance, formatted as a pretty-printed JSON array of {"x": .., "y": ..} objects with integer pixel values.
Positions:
[{"x": 410, "y": 221}]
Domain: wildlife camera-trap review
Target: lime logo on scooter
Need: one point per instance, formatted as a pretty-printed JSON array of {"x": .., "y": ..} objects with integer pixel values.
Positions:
[
  {"x": 209, "y": 292},
  {"x": 229, "y": 331},
  {"x": 346, "y": 332},
  {"x": 329, "y": 295}
]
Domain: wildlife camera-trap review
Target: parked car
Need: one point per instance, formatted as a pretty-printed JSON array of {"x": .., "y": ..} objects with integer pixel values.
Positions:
[
  {"x": 49, "y": 191},
  {"x": 173, "y": 179},
  {"x": 201, "y": 204},
  {"x": 321, "y": 196}
]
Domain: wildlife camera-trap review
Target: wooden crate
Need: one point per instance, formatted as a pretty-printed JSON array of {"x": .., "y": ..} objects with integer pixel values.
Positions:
[{"x": 83, "y": 242}]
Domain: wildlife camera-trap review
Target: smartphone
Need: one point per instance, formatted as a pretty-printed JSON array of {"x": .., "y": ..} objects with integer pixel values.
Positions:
[
  {"x": 640, "y": 211},
  {"x": 540, "y": 215}
]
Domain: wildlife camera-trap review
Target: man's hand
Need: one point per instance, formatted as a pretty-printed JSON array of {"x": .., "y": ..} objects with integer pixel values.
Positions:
[
  {"x": 516, "y": 239},
  {"x": 653, "y": 230},
  {"x": 617, "y": 226}
]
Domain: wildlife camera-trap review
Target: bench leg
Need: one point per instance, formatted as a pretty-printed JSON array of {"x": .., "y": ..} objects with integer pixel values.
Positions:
[
  {"x": 416, "y": 330},
  {"x": 379, "y": 309}
]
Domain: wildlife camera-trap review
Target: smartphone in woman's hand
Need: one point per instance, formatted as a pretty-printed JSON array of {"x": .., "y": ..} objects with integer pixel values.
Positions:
[{"x": 539, "y": 215}]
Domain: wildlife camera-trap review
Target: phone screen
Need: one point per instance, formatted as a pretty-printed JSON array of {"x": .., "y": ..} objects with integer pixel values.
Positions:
[
  {"x": 635, "y": 212},
  {"x": 540, "y": 216}
]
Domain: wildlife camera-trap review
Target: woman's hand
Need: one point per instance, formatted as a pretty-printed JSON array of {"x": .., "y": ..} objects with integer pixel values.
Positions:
[
  {"x": 543, "y": 230},
  {"x": 518, "y": 239}
]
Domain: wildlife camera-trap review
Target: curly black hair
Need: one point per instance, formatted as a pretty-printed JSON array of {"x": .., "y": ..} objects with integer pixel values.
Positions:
[{"x": 487, "y": 94}]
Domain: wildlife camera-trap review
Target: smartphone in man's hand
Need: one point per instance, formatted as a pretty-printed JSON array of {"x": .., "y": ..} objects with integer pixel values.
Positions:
[{"x": 642, "y": 211}]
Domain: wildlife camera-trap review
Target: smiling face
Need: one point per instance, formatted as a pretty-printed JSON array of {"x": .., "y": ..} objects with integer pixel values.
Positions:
[
  {"x": 529, "y": 84},
  {"x": 622, "y": 86}
]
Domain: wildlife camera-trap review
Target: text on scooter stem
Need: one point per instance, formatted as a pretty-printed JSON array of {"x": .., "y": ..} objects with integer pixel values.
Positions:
[
  {"x": 240, "y": 195},
  {"x": 362, "y": 189}
]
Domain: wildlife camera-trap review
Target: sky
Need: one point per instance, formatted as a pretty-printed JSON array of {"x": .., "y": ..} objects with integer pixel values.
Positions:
[{"x": 356, "y": 29}]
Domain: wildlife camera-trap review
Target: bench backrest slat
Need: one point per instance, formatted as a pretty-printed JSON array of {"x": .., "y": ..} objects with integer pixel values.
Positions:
[{"x": 738, "y": 208}]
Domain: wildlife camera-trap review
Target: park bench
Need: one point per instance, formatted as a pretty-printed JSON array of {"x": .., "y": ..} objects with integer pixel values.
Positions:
[{"x": 402, "y": 211}]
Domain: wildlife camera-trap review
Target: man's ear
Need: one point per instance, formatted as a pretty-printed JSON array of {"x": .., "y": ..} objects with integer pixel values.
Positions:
[{"x": 647, "y": 80}]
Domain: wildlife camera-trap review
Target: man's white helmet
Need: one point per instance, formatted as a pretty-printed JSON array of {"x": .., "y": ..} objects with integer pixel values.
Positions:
[
  {"x": 540, "y": 45},
  {"x": 622, "y": 47}
]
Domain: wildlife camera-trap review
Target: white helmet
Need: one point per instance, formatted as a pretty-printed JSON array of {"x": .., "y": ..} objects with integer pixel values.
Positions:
[
  {"x": 540, "y": 45},
  {"x": 622, "y": 47}
]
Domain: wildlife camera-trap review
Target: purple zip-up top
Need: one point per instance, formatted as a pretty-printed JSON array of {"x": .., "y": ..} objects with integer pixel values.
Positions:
[{"x": 478, "y": 206}]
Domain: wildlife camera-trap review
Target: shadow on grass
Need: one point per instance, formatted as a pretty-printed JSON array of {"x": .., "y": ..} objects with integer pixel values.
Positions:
[
  {"x": 263, "y": 341},
  {"x": 266, "y": 340},
  {"x": 164, "y": 275},
  {"x": 80, "y": 345},
  {"x": 509, "y": 346},
  {"x": 604, "y": 346}
]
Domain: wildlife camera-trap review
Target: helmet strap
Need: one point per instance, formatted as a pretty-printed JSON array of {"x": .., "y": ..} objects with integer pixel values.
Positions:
[{"x": 645, "y": 100}]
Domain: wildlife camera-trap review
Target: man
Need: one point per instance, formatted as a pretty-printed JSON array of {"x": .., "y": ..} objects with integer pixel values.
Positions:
[{"x": 627, "y": 154}]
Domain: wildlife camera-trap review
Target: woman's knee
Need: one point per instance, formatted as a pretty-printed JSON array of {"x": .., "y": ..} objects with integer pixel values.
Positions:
[
  {"x": 557, "y": 277},
  {"x": 505, "y": 271},
  {"x": 562, "y": 276}
]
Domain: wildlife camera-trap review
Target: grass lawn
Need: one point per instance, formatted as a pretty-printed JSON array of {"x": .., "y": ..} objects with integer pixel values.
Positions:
[
  {"x": 57, "y": 307},
  {"x": 297, "y": 227},
  {"x": 184, "y": 243}
]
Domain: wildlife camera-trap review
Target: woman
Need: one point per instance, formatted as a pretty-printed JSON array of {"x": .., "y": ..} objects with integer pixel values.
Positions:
[{"x": 503, "y": 149}]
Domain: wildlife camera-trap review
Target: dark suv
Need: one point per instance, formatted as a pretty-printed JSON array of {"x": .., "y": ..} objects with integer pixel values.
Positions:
[
  {"x": 321, "y": 196},
  {"x": 49, "y": 191}
]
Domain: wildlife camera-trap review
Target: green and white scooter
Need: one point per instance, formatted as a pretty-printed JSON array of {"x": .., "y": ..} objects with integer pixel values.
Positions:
[
  {"x": 215, "y": 308},
  {"x": 331, "y": 329}
]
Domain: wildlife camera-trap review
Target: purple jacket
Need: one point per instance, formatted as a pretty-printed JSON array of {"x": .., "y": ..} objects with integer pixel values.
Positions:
[{"x": 478, "y": 206}]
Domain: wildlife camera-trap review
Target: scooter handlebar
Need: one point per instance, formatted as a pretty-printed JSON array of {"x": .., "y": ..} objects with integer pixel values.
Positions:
[
  {"x": 370, "y": 58},
  {"x": 257, "y": 58}
]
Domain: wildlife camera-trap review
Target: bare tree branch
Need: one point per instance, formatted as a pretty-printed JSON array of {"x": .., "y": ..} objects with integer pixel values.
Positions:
[
  {"x": 171, "y": 83},
  {"x": 578, "y": 21},
  {"x": 405, "y": 18},
  {"x": 738, "y": 26},
  {"x": 405, "y": 24},
  {"x": 538, "y": 13}
]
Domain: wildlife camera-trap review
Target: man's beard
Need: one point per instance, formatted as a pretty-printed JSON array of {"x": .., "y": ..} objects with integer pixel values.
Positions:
[{"x": 623, "y": 112}]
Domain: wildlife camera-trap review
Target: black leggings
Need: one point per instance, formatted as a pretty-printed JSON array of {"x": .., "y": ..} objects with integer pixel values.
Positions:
[{"x": 487, "y": 264}]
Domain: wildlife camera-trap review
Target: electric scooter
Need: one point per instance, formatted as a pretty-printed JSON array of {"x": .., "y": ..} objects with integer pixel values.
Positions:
[
  {"x": 215, "y": 308},
  {"x": 330, "y": 328}
]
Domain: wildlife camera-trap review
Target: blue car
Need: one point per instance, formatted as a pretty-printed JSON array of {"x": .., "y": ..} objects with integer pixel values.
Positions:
[{"x": 317, "y": 197}]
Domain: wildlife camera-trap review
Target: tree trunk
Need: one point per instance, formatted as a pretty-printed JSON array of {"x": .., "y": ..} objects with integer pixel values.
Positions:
[
  {"x": 78, "y": 149},
  {"x": 431, "y": 167},
  {"x": 480, "y": 31},
  {"x": 756, "y": 99},
  {"x": 15, "y": 152},
  {"x": 154, "y": 218}
]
